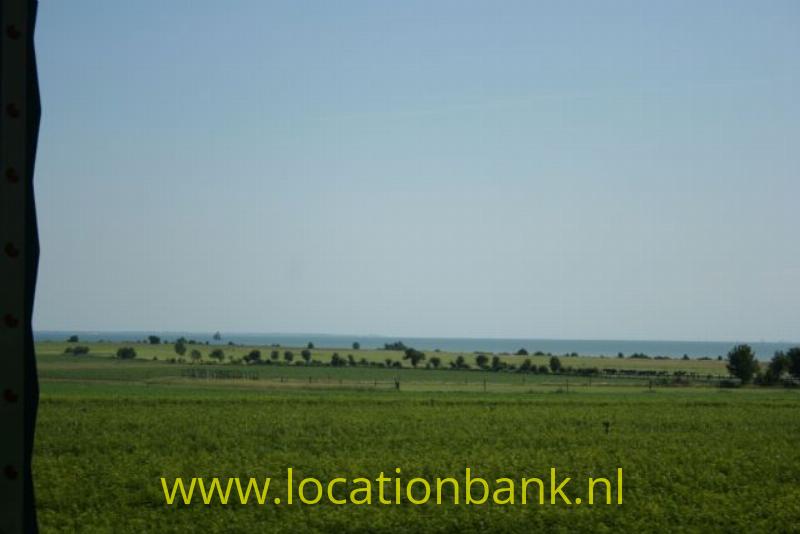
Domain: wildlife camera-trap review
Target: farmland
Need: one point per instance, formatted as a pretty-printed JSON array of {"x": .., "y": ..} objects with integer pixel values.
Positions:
[{"x": 696, "y": 457}]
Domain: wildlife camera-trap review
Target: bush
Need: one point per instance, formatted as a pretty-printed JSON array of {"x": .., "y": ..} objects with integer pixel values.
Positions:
[
  {"x": 275, "y": 355},
  {"x": 522, "y": 352},
  {"x": 77, "y": 350},
  {"x": 217, "y": 354},
  {"x": 414, "y": 356},
  {"x": 497, "y": 363},
  {"x": 254, "y": 356},
  {"x": 306, "y": 354},
  {"x": 793, "y": 355},
  {"x": 397, "y": 345},
  {"x": 126, "y": 353},
  {"x": 337, "y": 361},
  {"x": 288, "y": 356},
  {"x": 555, "y": 364},
  {"x": 356, "y": 345},
  {"x": 72, "y": 339},
  {"x": 436, "y": 362},
  {"x": 154, "y": 340},
  {"x": 196, "y": 355},
  {"x": 742, "y": 363},
  {"x": 481, "y": 360}
]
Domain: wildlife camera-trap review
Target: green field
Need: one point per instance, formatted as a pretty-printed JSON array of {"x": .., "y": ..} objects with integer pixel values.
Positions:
[{"x": 696, "y": 458}]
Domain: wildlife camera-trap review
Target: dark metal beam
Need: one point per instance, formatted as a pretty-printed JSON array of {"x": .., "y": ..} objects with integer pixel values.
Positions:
[{"x": 19, "y": 131}]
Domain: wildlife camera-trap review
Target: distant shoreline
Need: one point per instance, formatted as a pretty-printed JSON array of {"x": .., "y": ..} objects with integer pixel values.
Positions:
[{"x": 694, "y": 349}]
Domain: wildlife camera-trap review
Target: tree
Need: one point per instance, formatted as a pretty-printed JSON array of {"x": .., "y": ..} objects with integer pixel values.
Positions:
[
  {"x": 793, "y": 355},
  {"x": 288, "y": 356},
  {"x": 414, "y": 356},
  {"x": 356, "y": 345},
  {"x": 742, "y": 363},
  {"x": 154, "y": 340},
  {"x": 126, "y": 353},
  {"x": 217, "y": 336},
  {"x": 555, "y": 364},
  {"x": 306, "y": 354},
  {"x": 217, "y": 354},
  {"x": 351, "y": 360},
  {"x": 526, "y": 366},
  {"x": 777, "y": 367},
  {"x": 180, "y": 347},
  {"x": 481, "y": 360},
  {"x": 196, "y": 355},
  {"x": 436, "y": 362},
  {"x": 72, "y": 339},
  {"x": 310, "y": 345},
  {"x": 459, "y": 363},
  {"x": 522, "y": 352},
  {"x": 254, "y": 356},
  {"x": 275, "y": 355},
  {"x": 336, "y": 360},
  {"x": 497, "y": 363}
]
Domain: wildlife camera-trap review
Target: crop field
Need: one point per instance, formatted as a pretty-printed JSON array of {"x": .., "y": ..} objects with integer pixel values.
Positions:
[{"x": 695, "y": 458}]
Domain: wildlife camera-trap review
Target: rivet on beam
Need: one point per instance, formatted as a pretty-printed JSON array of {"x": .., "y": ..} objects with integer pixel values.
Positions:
[
  {"x": 10, "y": 396},
  {"x": 12, "y": 110},
  {"x": 11, "y": 321},
  {"x": 10, "y": 472},
  {"x": 11, "y": 175},
  {"x": 12, "y": 32},
  {"x": 11, "y": 250}
]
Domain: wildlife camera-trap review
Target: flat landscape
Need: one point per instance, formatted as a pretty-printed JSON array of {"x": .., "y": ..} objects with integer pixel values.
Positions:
[{"x": 695, "y": 457}]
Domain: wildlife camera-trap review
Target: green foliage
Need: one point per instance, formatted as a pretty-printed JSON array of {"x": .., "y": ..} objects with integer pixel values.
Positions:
[
  {"x": 356, "y": 345},
  {"x": 124, "y": 436},
  {"x": 154, "y": 340},
  {"x": 778, "y": 365},
  {"x": 793, "y": 354},
  {"x": 217, "y": 354},
  {"x": 481, "y": 360},
  {"x": 435, "y": 362},
  {"x": 180, "y": 347},
  {"x": 254, "y": 356},
  {"x": 196, "y": 355},
  {"x": 497, "y": 363},
  {"x": 522, "y": 352},
  {"x": 126, "y": 353},
  {"x": 742, "y": 363},
  {"x": 555, "y": 364},
  {"x": 77, "y": 350},
  {"x": 288, "y": 356},
  {"x": 306, "y": 354},
  {"x": 72, "y": 339},
  {"x": 414, "y": 356}
]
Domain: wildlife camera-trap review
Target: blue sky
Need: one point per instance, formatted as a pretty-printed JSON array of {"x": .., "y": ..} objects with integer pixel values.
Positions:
[{"x": 445, "y": 168}]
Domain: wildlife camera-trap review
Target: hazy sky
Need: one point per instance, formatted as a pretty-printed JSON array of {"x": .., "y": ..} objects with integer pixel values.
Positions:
[{"x": 442, "y": 168}]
